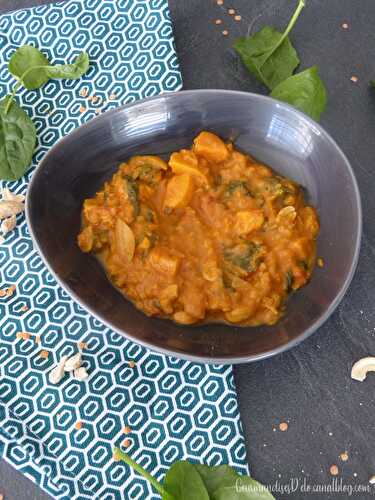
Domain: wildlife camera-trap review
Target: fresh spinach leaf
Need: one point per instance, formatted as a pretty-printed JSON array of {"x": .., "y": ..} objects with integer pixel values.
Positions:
[
  {"x": 241, "y": 488},
  {"x": 183, "y": 482},
  {"x": 305, "y": 91},
  {"x": 70, "y": 71},
  {"x": 187, "y": 481},
  {"x": 268, "y": 54},
  {"x": 33, "y": 69},
  {"x": 214, "y": 477},
  {"x": 27, "y": 64},
  {"x": 17, "y": 140}
]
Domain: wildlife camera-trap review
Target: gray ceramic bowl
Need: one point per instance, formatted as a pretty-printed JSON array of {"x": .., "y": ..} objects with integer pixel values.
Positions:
[{"x": 275, "y": 134}]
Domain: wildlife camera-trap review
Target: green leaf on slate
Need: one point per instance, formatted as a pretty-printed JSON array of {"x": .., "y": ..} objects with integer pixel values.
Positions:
[
  {"x": 305, "y": 91},
  {"x": 23, "y": 60},
  {"x": 17, "y": 140},
  {"x": 268, "y": 54},
  {"x": 33, "y": 69},
  {"x": 268, "y": 64},
  {"x": 183, "y": 482}
]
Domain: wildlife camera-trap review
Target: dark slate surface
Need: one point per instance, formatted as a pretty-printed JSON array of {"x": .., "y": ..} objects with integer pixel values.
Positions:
[{"x": 310, "y": 386}]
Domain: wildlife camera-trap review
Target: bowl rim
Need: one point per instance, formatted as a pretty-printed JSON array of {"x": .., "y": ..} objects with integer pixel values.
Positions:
[{"x": 170, "y": 352}]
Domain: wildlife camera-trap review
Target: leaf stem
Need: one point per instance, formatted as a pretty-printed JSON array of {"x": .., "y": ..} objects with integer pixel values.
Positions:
[
  {"x": 292, "y": 22},
  {"x": 120, "y": 455},
  {"x": 11, "y": 96},
  {"x": 18, "y": 84}
]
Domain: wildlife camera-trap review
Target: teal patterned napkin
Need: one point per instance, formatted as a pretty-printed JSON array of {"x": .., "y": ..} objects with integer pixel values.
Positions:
[{"x": 175, "y": 409}]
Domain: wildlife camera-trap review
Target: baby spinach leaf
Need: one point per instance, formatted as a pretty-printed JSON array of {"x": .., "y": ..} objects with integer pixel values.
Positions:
[
  {"x": 305, "y": 91},
  {"x": 268, "y": 54},
  {"x": 269, "y": 61},
  {"x": 187, "y": 481},
  {"x": 70, "y": 71},
  {"x": 17, "y": 140},
  {"x": 241, "y": 488},
  {"x": 183, "y": 482},
  {"x": 214, "y": 477},
  {"x": 27, "y": 63},
  {"x": 33, "y": 69}
]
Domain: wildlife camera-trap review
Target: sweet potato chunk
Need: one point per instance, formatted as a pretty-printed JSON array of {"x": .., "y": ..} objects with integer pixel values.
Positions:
[
  {"x": 163, "y": 261},
  {"x": 248, "y": 220},
  {"x": 185, "y": 162},
  {"x": 179, "y": 191},
  {"x": 211, "y": 147},
  {"x": 148, "y": 160}
]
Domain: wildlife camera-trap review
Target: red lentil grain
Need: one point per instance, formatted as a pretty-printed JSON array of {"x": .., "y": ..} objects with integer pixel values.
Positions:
[{"x": 334, "y": 470}]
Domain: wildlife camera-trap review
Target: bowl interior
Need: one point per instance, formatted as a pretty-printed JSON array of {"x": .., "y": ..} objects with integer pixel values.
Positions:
[{"x": 273, "y": 133}]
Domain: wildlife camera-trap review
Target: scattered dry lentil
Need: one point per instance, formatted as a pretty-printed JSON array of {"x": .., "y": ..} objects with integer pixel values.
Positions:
[
  {"x": 82, "y": 345},
  {"x": 112, "y": 97},
  {"x": 132, "y": 364},
  {"x": 37, "y": 339},
  {"x": 126, "y": 430},
  {"x": 78, "y": 425},
  {"x": 320, "y": 262},
  {"x": 334, "y": 470},
  {"x": 24, "y": 308},
  {"x": 126, "y": 443},
  {"x": 83, "y": 92},
  {"x": 237, "y": 18},
  {"x": 220, "y": 2},
  {"x": 44, "y": 354},
  {"x": 94, "y": 98},
  {"x": 231, "y": 12},
  {"x": 225, "y": 32},
  {"x": 354, "y": 79},
  {"x": 2, "y": 293},
  {"x": 283, "y": 426},
  {"x": 9, "y": 291},
  {"x": 218, "y": 21},
  {"x": 345, "y": 26},
  {"x": 372, "y": 480},
  {"x": 23, "y": 335},
  {"x": 82, "y": 109},
  {"x": 344, "y": 456}
]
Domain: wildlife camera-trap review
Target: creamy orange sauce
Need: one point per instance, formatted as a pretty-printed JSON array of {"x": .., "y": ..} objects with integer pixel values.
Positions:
[{"x": 212, "y": 235}]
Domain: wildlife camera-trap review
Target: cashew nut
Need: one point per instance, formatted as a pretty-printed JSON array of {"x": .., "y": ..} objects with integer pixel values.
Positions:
[
  {"x": 7, "y": 195},
  {"x": 73, "y": 363},
  {"x": 8, "y": 224},
  {"x": 362, "y": 367},
  {"x": 58, "y": 372},
  {"x": 81, "y": 373}
]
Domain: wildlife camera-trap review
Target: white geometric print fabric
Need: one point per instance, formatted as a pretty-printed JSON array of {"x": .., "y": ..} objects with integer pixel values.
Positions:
[{"x": 175, "y": 409}]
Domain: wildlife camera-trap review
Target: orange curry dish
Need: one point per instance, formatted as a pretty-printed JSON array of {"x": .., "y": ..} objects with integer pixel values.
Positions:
[{"x": 209, "y": 236}]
